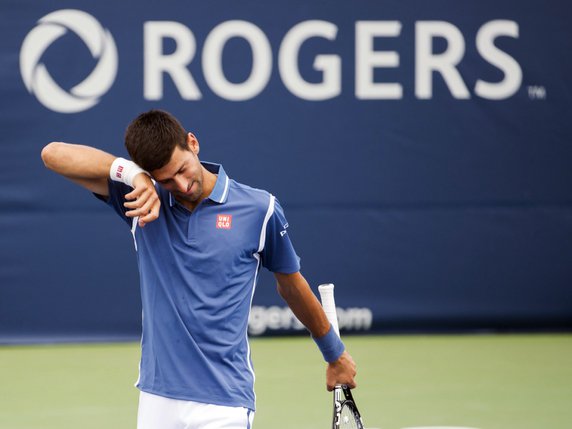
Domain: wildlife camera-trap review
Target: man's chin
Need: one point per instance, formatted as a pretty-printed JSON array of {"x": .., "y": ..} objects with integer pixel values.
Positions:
[{"x": 191, "y": 198}]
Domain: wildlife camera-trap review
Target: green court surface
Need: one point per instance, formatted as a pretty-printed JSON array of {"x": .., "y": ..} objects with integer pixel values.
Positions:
[{"x": 474, "y": 381}]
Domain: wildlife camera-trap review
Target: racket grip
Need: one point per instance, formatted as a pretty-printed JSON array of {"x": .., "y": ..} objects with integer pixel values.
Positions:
[{"x": 328, "y": 302}]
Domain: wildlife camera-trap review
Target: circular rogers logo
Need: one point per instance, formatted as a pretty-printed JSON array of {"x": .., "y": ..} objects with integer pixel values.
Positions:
[{"x": 38, "y": 80}]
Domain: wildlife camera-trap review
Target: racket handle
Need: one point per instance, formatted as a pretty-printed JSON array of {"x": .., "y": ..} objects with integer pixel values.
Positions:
[{"x": 329, "y": 304}]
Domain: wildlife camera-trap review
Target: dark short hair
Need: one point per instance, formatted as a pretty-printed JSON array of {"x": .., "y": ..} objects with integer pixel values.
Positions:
[{"x": 151, "y": 138}]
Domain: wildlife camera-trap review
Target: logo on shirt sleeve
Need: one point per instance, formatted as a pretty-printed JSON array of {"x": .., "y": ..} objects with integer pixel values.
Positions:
[{"x": 224, "y": 221}]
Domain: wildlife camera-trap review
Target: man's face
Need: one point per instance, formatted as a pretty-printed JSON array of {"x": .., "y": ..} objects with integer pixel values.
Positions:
[{"x": 183, "y": 174}]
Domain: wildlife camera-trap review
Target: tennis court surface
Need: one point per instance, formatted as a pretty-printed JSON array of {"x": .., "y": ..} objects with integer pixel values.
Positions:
[{"x": 472, "y": 381}]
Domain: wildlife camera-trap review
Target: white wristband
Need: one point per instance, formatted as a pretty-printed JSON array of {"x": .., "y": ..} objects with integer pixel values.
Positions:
[{"x": 123, "y": 170}]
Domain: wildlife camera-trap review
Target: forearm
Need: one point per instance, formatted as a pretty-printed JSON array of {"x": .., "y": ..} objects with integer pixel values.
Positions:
[
  {"x": 77, "y": 161},
  {"x": 294, "y": 289}
]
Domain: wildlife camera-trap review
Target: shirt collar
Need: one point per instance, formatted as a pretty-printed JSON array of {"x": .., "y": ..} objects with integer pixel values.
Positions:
[{"x": 219, "y": 194}]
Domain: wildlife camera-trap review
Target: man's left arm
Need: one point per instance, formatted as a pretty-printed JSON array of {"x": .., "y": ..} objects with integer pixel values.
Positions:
[{"x": 295, "y": 290}]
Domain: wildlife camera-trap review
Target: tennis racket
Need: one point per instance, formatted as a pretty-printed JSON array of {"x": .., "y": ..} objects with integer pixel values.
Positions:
[{"x": 346, "y": 414}]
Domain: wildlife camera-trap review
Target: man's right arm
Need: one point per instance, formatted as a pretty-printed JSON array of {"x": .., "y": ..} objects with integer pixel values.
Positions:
[
  {"x": 84, "y": 165},
  {"x": 89, "y": 167}
]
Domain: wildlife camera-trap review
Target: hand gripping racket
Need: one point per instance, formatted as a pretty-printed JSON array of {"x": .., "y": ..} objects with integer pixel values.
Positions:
[{"x": 346, "y": 414}]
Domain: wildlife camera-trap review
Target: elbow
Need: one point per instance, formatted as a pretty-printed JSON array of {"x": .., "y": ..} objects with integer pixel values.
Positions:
[{"x": 50, "y": 154}]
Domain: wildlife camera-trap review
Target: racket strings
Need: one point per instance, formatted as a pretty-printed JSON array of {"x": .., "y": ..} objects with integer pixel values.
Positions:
[{"x": 348, "y": 418}]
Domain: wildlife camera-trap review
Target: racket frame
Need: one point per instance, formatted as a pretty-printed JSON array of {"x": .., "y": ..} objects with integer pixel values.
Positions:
[{"x": 342, "y": 394}]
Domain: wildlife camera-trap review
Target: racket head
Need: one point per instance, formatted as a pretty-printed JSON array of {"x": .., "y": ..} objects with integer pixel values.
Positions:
[{"x": 346, "y": 413}]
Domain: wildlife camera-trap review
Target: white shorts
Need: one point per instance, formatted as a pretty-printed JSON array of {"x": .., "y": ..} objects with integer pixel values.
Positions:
[{"x": 158, "y": 412}]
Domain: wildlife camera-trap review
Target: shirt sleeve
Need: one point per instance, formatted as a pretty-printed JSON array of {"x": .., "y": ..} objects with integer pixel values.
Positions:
[
  {"x": 278, "y": 254},
  {"x": 117, "y": 192}
]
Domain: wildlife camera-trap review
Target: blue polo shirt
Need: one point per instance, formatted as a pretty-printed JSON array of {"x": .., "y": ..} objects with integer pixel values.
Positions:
[{"x": 198, "y": 272}]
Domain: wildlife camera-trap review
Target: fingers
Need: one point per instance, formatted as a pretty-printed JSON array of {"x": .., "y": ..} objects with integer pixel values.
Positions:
[
  {"x": 350, "y": 383},
  {"x": 152, "y": 215},
  {"x": 144, "y": 204},
  {"x": 138, "y": 195},
  {"x": 345, "y": 378},
  {"x": 134, "y": 194},
  {"x": 343, "y": 371}
]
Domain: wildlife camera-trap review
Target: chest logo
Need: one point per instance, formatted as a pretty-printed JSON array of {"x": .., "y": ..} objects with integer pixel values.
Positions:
[{"x": 224, "y": 221}]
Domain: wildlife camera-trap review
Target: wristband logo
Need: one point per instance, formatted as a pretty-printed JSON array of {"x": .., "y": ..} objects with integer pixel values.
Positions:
[{"x": 38, "y": 80}]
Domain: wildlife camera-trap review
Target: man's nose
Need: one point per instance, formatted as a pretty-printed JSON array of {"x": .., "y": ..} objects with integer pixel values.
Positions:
[{"x": 181, "y": 184}]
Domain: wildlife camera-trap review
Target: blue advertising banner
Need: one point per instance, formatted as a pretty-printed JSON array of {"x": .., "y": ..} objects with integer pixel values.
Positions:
[{"x": 421, "y": 151}]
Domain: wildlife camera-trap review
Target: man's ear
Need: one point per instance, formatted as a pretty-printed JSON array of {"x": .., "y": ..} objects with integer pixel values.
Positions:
[{"x": 193, "y": 143}]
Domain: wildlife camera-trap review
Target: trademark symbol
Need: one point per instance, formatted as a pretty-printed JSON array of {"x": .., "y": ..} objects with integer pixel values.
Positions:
[{"x": 536, "y": 92}]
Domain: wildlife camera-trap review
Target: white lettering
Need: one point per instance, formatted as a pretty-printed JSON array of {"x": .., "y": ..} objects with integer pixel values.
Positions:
[
  {"x": 508, "y": 65},
  {"x": 426, "y": 62},
  {"x": 261, "y": 60},
  {"x": 263, "y": 319},
  {"x": 329, "y": 65},
  {"x": 355, "y": 318},
  {"x": 156, "y": 63},
  {"x": 367, "y": 59}
]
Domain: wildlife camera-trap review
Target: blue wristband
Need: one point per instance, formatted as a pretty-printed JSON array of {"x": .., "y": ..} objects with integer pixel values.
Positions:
[{"x": 330, "y": 345}]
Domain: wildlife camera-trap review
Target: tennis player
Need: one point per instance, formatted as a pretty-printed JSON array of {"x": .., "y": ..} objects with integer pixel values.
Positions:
[{"x": 200, "y": 239}]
